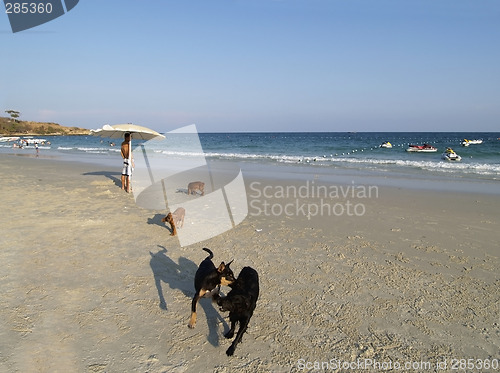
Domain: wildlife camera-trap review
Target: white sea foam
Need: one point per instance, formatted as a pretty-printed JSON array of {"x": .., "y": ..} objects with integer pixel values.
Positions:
[{"x": 434, "y": 165}]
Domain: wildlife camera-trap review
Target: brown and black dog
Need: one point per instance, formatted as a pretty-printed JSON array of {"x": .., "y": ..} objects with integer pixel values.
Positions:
[
  {"x": 196, "y": 185},
  {"x": 207, "y": 281},
  {"x": 175, "y": 219},
  {"x": 240, "y": 302}
]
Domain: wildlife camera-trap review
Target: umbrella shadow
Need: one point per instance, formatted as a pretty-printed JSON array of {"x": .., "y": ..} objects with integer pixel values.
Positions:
[
  {"x": 109, "y": 174},
  {"x": 180, "y": 277}
]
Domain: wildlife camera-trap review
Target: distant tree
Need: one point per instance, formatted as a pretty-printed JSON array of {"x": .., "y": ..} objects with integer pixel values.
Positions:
[{"x": 13, "y": 114}]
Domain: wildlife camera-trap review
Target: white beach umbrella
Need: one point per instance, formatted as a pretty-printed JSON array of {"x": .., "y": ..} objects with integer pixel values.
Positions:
[{"x": 118, "y": 131}]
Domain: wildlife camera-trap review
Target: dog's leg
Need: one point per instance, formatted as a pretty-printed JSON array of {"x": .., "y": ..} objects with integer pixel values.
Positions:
[
  {"x": 192, "y": 320},
  {"x": 239, "y": 335},
  {"x": 230, "y": 333},
  {"x": 196, "y": 298}
]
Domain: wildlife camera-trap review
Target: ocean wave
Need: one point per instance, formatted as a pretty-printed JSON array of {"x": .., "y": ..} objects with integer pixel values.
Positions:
[
  {"x": 444, "y": 166},
  {"x": 233, "y": 156},
  {"x": 88, "y": 149},
  {"x": 428, "y": 165}
]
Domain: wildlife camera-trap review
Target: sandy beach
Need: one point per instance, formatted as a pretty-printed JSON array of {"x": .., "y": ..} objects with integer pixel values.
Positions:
[{"x": 91, "y": 282}]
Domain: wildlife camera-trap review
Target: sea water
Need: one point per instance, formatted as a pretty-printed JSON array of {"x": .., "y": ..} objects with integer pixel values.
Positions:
[{"x": 333, "y": 154}]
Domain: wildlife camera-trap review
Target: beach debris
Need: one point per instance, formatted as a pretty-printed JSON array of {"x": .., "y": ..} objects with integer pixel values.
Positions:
[{"x": 401, "y": 258}]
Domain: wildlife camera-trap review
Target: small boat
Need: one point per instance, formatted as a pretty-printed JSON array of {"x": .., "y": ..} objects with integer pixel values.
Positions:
[
  {"x": 450, "y": 155},
  {"x": 386, "y": 145},
  {"x": 426, "y": 148},
  {"x": 29, "y": 140},
  {"x": 8, "y": 138},
  {"x": 471, "y": 142}
]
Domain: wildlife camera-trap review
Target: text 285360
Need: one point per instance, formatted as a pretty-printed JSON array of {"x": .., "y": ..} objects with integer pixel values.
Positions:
[{"x": 28, "y": 8}]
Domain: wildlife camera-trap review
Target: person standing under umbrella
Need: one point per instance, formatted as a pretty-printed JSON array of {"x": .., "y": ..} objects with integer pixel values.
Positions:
[{"x": 128, "y": 163}]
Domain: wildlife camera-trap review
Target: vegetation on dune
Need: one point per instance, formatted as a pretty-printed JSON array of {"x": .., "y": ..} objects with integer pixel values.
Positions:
[{"x": 13, "y": 126}]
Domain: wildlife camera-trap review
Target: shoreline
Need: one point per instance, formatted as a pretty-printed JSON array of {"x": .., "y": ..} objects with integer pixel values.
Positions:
[
  {"x": 93, "y": 282},
  {"x": 394, "y": 179},
  {"x": 384, "y": 169},
  {"x": 298, "y": 172}
]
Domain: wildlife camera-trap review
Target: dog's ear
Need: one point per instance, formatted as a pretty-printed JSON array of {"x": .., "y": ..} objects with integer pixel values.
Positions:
[
  {"x": 221, "y": 268},
  {"x": 228, "y": 264}
]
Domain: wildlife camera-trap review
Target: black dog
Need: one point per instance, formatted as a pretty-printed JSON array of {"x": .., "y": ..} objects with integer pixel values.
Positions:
[
  {"x": 240, "y": 302},
  {"x": 207, "y": 279}
]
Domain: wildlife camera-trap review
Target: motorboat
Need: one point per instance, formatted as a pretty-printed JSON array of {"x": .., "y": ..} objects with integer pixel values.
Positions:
[
  {"x": 471, "y": 142},
  {"x": 29, "y": 140},
  {"x": 386, "y": 145},
  {"x": 8, "y": 138},
  {"x": 426, "y": 148},
  {"x": 450, "y": 155}
]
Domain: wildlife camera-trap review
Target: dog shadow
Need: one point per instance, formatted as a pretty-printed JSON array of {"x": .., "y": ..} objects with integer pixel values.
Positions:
[
  {"x": 181, "y": 277},
  {"x": 109, "y": 174}
]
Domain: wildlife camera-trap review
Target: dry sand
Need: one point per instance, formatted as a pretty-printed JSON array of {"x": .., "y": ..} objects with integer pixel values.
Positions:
[{"x": 91, "y": 282}]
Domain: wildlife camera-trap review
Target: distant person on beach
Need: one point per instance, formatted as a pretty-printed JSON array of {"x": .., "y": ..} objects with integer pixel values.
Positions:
[
  {"x": 127, "y": 167},
  {"x": 36, "y": 147}
]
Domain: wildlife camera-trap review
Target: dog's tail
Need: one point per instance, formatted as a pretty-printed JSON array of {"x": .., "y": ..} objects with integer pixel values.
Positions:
[{"x": 210, "y": 252}]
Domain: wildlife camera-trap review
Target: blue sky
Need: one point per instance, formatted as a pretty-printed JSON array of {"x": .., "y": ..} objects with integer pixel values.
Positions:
[{"x": 260, "y": 65}]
